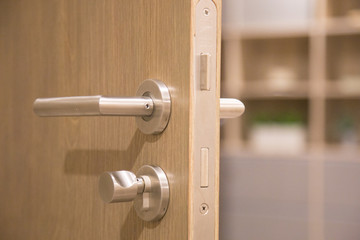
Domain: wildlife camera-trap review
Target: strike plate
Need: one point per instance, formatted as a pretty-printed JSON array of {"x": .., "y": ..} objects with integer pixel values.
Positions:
[{"x": 204, "y": 184}]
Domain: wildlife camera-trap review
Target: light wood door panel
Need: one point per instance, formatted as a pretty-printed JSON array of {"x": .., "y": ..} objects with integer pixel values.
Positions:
[{"x": 49, "y": 167}]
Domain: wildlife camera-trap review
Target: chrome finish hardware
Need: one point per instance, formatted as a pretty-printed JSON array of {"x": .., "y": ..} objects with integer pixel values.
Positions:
[
  {"x": 120, "y": 186},
  {"x": 93, "y": 106},
  {"x": 204, "y": 145},
  {"x": 152, "y": 107},
  {"x": 149, "y": 189},
  {"x": 231, "y": 108}
]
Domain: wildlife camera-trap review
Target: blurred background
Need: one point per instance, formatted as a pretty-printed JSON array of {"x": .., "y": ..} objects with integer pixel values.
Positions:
[{"x": 290, "y": 166}]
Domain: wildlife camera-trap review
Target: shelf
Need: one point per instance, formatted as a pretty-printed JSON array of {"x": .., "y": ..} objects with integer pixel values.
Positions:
[
  {"x": 342, "y": 8},
  {"x": 342, "y": 125},
  {"x": 263, "y": 90},
  {"x": 273, "y": 110},
  {"x": 331, "y": 152},
  {"x": 338, "y": 152},
  {"x": 342, "y": 26},
  {"x": 337, "y": 90},
  {"x": 247, "y": 153},
  {"x": 342, "y": 57},
  {"x": 276, "y": 58},
  {"x": 320, "y": 56},
  {"x": 261, "y": 31}
]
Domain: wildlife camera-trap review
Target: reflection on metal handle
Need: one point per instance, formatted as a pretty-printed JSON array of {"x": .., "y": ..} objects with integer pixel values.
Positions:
[
  {"x": 115, "y": 106},
  {"x": 93, "y": 106},
  {"x": 120, "y": 186},
  {"x": 149, "y": 189},
  {"x": 231, "y": 108}
]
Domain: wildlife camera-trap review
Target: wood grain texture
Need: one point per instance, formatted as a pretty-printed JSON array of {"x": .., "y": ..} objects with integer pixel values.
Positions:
[{"x": 49, "y": 167}]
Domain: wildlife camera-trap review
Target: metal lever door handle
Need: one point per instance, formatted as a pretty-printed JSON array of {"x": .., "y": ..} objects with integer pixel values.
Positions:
[
  {"x": 151, "y": 107},
  {"x": 149, "y": 189},
  {"x": 93, "y": 106},
  {"x": 100, "y": 105}
]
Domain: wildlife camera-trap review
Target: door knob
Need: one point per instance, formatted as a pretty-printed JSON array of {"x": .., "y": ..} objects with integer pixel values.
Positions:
[
  {"x": 151, "y": 107},
  {"x": 149, "y": 189}
]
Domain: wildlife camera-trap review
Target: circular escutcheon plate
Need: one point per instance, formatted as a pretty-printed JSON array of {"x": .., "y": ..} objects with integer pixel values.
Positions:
[
  {"x": 157, "y": 199},
  {"x": 159, "y": 93}
]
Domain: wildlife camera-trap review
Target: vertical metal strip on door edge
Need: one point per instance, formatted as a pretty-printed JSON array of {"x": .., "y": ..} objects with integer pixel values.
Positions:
[{"x": 205, "y": 100}]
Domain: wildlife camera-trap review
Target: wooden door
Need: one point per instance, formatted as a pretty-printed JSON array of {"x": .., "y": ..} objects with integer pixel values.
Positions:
[{"x": 49, "y": 167}]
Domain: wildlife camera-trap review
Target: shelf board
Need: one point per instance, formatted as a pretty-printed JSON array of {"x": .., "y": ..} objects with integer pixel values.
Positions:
[
  {"x": 335, "y": 91},
  {"x": 337, "y": 152},
  {"x": 263, "y": 90},
  {"x": 264, "y": 31},
  {"x": 334, "y": 26},
  {"x": 342, "y": 26},
  {"x": 331, "y": 152},
  {"x": 246, "y": 153}
]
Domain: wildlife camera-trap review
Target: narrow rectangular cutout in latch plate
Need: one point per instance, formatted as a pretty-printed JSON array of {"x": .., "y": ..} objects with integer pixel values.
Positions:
[
  {"x": 205, "y": 71},
  {"x": 204, "y": 186},
  {"x": 204, "y": 167}
]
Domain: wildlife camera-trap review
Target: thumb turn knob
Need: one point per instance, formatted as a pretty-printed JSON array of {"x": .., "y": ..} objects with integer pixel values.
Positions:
[
  {"x": 149, "y": 189},
  {"x": 120, "y": 186}
]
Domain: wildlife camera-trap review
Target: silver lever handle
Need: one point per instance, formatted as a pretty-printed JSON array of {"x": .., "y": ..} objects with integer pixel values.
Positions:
[
  {"x": 99, "y": 105},
  {"x": 152, "y": 106},
  {"x": 149, "y": 189},
  {"x": 93, "y": 105}
]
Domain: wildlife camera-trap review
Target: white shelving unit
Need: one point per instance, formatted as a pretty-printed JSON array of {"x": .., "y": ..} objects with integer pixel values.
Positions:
[{"x": 321, "y": 47}]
